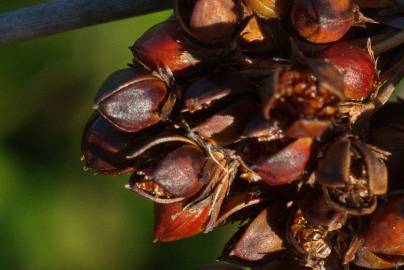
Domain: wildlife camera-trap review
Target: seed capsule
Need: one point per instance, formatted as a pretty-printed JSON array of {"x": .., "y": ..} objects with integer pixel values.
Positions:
[
  {"x": 173, "y": 222},
  {"x": 177, "y": 175},
  {"x": 227, "y": 126},
  {"x": 316, "y": 209},
  {"x": 322, "y": 21},
  {"x": 292, "y": 94},
  {"x": 387, "y": 133},
  {"x": 286, "y": 166},
  {"x": 385, "y": 233},
  {"x": 357, "y": 67},
  {"x": 132, "y": 100},
  {"x": 383, "y": 239},
  {"x": 165, "y": 47},
  {"x": 104, "y": 148},
  {"x": 352, "y": 174},
  {"x": 209, "y": 21},
  {"x": 208, "y": 91},
  {"x": 262, "y": 237}
]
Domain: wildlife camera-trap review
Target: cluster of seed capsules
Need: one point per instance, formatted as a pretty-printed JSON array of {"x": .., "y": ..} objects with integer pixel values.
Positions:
[{"x": 264, "y": 112}]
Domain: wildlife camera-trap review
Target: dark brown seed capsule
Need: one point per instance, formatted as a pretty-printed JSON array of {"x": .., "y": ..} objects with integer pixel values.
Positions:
[
  {"x": 209, "y": 21},
  {"x": 132, "y": 100},
  {"x": 322, "y": 21},
  {"x": 262, "y": 237},
  {"x": 286, "y": 166},
  {"x": 177, "y": 175},
  {"x": 357, "y": 67},
  {"x": 104, "y": 148},
  {"x": 210, "y": 90},
  {"x": 173, "y": 222},
  {"x": 227, "y": 126},
  {"x": 352, "y": 174},
  {"x": 316, "y": 209},
  {"x": 164, "y": 47},
  {"x": 387, "y": 133}
]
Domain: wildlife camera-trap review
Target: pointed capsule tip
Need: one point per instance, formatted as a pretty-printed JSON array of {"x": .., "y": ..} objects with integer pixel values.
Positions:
[
  {"x": 156, "y": 240},
  {"x": 128, "y": 187},
  {"x": 96, "y": 107}
]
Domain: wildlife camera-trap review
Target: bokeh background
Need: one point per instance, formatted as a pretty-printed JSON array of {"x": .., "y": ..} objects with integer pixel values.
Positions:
[{"x": 53, "y": 215}]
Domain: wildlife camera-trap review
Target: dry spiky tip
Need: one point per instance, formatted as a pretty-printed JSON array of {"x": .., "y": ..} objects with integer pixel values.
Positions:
[{"x": 232, "y": 111}]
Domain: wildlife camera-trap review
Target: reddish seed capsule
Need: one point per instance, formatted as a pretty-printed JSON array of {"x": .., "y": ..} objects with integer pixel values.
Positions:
[
  {"x": 164, "y": 46},
  {"x": 178, "y": 173},
  {"x": 261, "y": 238},
  {"x": 227, "y": 126},
  {"x": 131, "y": 100},
  {"x": 173, "y": 222},
  {"x": 385, "y": 233},
  {"x": 212, "y": 89},
  {"x": 322, "y": 21},
  {"x": 104, "y": 148},
  {"x": 357, "y": 67},
  {"x": 287, "y": 165},
  {"x": 213, "y": 21}
]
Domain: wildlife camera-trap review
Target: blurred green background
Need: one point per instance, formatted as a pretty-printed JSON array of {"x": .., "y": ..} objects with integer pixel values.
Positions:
[{"x": 53, "y": 215}]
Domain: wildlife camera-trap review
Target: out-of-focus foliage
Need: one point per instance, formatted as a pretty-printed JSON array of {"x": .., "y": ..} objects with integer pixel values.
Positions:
[{"x": 53, "y": 215}]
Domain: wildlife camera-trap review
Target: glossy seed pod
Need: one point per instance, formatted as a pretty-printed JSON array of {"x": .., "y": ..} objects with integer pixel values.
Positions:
[
  {"x": 262, "y": 237},
  {"x": 132, "y": 100},
  {"x": 322, "y": 21},
  {"x": 104, "y": 148},
  {"x": 357, "y": 67},
  {"x": 164, "y": 47},
  {"x": 352, "y": 174},
  {"x": 177, "y": 175},
  {"x": 208, "y": 21},
  {"x": 208, "y": 91},
  {"x": 174, "y": 222},
  {"x": 286, "y": 165},
  {"x": 226, "y": 127}
]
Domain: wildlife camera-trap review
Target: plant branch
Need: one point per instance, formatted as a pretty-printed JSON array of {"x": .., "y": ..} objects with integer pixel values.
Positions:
[{"x": 63, "y": 15}]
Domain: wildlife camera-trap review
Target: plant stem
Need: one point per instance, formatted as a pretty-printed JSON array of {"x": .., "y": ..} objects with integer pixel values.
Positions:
[{"x": 63, "y": 15}]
